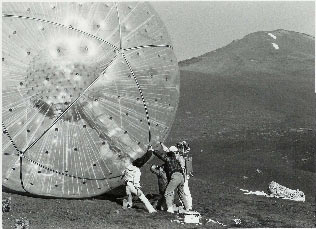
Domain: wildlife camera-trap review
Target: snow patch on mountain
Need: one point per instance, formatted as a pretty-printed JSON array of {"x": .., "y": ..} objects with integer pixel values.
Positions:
[
  {"x": 275, "y": 46},
  {"x": 273, "y": 36}
]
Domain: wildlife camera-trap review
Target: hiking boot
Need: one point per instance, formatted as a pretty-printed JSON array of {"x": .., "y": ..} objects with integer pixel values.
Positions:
[{"x": 126, "y": 204}]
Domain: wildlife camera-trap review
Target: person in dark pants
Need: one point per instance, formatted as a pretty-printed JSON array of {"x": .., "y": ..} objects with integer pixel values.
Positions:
[
  {"x": 159, "y": 171},
  {"x": 175, "y": 176},
  {"x": 182, "y": 156}
]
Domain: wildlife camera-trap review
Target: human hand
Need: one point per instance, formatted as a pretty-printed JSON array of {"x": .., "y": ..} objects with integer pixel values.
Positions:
[{"x": 150, "y": 148}]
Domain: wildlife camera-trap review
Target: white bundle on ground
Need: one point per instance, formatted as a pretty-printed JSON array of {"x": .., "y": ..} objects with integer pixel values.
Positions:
[
  {"x": 193, "y": 217},
  {"x": 184, "y": 216},
  {"x": 281, "y": 191}
]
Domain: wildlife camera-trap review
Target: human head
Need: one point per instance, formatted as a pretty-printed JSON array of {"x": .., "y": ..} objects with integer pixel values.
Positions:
[
  {"x": 173, "y": 149},
  {"x": 183, "y": 147},
  {"x": 179, "y": 145}
]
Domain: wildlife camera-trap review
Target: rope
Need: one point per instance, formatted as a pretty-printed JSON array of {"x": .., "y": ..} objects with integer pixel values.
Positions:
[
  {"x": 11, "y": 140},
  {"x": 141, "y": 95},
  {"x": 147, "y": 46},
  {"x": 19, "y": 153}
]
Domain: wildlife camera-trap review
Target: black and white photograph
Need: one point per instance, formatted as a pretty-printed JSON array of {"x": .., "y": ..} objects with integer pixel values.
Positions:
[{"x": 158, "y": 114}]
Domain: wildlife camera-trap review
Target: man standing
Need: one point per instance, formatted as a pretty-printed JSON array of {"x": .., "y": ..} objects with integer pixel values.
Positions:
[
  {"x": 183, "y": 157},
  {"x": 184, "y": 160},
  {"x": 175, "y": 175}
]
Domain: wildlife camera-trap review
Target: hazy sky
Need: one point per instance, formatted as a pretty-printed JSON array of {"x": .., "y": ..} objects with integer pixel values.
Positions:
[{"x": 198, "y": 27}]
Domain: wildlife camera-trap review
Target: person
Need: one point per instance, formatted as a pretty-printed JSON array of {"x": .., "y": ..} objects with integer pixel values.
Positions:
[
  {"x": 174, "y": 174},
  {"x": 183, "y": 157},
  {"x": 131, "y": 176},
  {"x": 159, "y": 171}
]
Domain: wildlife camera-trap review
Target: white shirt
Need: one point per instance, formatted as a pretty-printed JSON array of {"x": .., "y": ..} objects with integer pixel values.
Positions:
[
  {"x": 132, "y": 174},
  {"x": 182, "y": 163}
]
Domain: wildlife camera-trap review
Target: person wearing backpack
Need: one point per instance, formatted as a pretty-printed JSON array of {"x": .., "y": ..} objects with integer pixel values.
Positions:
[
  {"x": 186, "y": 164},
  {"x": 175, "y": 176}
]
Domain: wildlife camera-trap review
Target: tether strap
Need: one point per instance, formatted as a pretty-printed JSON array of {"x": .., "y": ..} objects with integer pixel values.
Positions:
[
  {"x": 148, "y": 46},
  {"x": 19, "y": 153},
  {"x": 141, "y": 95}
]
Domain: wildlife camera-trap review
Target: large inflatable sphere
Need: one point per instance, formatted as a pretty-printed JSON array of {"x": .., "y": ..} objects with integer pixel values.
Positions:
[{"x": 84, "y": 86}]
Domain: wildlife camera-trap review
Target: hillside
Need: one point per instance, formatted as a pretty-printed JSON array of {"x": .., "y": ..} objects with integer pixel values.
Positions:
[
  {"x": 275, "y": 52},
  {"x": 249, "y": 83}
]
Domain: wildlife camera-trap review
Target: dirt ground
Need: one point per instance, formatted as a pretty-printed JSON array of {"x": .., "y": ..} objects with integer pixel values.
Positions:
[{"x": 214, "y": 201}]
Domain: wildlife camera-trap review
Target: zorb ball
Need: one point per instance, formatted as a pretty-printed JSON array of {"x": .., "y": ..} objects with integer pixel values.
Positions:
[{"x": 84, "y": 87}]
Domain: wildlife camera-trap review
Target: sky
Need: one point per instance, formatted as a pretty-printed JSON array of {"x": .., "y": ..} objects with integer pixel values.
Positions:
[{"x": 199, "y": 27}]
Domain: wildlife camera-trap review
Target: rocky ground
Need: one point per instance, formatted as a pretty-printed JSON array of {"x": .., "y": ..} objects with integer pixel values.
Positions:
[{"x": 219, "y": 202}]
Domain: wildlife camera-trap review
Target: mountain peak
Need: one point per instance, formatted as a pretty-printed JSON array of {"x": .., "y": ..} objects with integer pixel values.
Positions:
[{"x": 258, "y": 51}]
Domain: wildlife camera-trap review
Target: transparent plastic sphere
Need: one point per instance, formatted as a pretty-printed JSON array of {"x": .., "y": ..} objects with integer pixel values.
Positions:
[{"x": 84, "y": 86}]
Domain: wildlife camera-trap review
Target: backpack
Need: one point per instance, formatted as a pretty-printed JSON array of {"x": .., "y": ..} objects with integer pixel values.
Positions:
[
  {"x": 172, "y": 165},
  {"x": 188, "y": 166}
]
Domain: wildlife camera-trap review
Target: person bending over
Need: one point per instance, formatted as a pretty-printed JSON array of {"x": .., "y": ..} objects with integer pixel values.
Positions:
[
  {"x": 159, "y": 171},
  {"x": 131, "y": 176}
]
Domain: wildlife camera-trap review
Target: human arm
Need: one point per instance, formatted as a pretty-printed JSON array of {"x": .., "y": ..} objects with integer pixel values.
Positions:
[
  {"x": 164, "y": 147},
  {"x": 123, "y": 174},
  {"x": 160, "y": 155},
  {"x": 139, "y": 162}
]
